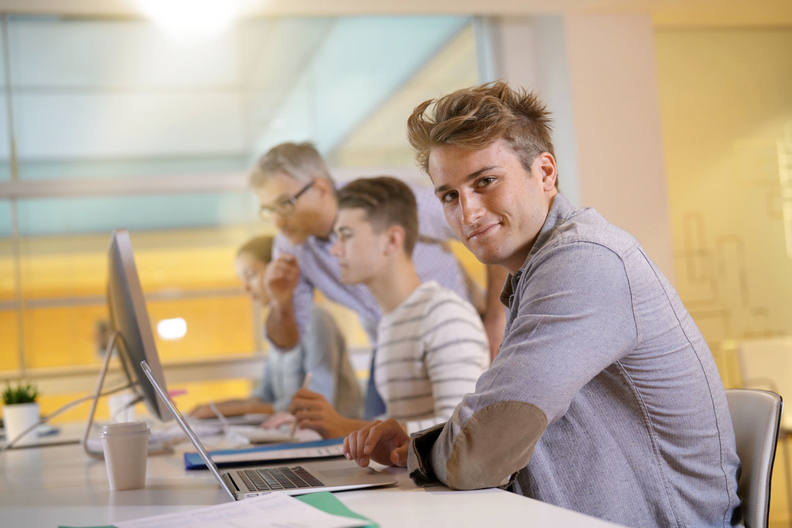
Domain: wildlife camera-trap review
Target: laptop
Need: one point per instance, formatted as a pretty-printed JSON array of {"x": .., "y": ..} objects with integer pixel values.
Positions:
[{"x": 309, "y": 477}]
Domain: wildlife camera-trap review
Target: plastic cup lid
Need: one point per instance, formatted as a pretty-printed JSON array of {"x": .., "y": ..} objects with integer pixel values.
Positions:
[{"x": 124, "y": 428}]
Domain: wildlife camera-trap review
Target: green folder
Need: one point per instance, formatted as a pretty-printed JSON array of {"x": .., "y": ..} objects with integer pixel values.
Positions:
[
  {"x": 328, "y": 503},
  {"x": 323, "y": 500}
]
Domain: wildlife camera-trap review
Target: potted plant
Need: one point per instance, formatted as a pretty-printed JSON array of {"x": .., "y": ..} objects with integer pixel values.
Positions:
[{"x": 20, "y": 411}]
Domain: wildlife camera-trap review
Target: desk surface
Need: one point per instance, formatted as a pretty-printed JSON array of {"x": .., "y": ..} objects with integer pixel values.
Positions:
[{"x": 60, "y": 485}]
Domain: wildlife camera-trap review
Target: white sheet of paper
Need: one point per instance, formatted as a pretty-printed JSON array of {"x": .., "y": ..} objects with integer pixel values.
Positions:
[{"x": 275, "y": 510}]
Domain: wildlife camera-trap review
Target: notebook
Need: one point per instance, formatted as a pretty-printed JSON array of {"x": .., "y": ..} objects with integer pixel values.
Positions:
[{"x": 335, "y": 475}]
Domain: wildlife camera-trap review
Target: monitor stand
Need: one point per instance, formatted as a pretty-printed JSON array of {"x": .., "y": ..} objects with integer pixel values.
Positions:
[{"x": 154, "y": 448}]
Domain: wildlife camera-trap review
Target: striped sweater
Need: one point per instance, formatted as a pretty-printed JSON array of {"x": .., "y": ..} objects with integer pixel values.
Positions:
[{"x": 430, "y": 351}]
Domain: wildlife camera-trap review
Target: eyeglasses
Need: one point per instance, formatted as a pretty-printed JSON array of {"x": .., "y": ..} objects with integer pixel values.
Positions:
[{"x": 284, "y": 207}]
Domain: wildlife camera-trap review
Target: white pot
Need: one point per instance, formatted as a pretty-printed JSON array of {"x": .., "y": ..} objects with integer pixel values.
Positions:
[{"x": 18, "y": 417}]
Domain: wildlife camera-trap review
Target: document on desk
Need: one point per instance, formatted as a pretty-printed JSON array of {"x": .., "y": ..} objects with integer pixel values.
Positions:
[{"x": 274, "y": 510}]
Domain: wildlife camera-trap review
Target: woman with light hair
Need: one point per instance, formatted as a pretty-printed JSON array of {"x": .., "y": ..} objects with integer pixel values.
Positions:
[{"x": 322, "y": 353}]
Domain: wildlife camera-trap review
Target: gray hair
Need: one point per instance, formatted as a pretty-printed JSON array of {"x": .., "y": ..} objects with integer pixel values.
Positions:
[{"x": 300, "y": 161}]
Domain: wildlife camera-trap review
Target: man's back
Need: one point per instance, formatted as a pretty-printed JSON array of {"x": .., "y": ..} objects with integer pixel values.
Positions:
[{"x": 431, "y": 350}]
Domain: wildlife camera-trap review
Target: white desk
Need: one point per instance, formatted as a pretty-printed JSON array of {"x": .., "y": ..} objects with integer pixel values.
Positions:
[{"x": 60, "y": 485}]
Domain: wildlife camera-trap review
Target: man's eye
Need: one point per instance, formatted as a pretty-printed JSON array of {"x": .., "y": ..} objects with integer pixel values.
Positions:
[
  {"x": 483, "y": 182},
  {"x": 449, "y": 197}
]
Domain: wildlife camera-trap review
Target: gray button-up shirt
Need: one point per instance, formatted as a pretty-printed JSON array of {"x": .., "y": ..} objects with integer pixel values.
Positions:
[{"x": 604, "y": 397}]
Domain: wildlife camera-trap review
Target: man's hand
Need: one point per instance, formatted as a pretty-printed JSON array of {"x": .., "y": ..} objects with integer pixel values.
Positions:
[
  {"x": 281, "y": 278},
  {"x": 313, "y": 411},
  {"x": 382, "y": 442}
]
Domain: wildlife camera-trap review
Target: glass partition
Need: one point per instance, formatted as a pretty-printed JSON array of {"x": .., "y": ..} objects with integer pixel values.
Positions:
[
  {"x": 9, "y": 344},
  {"x": 123, "y": 102}
]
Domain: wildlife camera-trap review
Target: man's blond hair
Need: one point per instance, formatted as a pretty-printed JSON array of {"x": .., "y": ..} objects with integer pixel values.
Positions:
[
  {"x": 300, "y": 161},
  {"x": 474, "y": 118}
]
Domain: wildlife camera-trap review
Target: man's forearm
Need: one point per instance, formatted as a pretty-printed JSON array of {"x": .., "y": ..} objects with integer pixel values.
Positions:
[
  {"x": 488, "y": 450},
  {"x": 282, "y": 327}
]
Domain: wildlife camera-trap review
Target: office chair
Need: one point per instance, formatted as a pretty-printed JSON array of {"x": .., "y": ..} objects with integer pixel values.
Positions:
[
  {"x": 767, "y": 364},
  {"x": 756, "y": 416}
]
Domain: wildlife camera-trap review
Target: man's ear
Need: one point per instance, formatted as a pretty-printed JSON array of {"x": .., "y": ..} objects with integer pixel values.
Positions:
[
  {"x": 545, "y": 163},
  {"x": 323, "y": 186},
  {"x": 394, "y": 239}
]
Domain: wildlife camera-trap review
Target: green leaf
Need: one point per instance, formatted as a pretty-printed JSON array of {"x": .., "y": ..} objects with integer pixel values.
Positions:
[{"x": 26, "y": 393}]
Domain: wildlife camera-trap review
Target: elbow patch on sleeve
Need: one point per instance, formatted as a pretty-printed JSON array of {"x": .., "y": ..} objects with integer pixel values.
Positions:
[{"x": 496, "y": 442}]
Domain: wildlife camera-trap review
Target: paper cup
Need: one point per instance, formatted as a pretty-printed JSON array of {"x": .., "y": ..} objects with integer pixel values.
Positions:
[{"x": 125, "y": 450}]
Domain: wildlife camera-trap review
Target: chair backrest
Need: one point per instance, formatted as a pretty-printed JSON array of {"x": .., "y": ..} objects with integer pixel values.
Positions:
[
  {"x": 756, "y": 416},
  {"x": 767, "y": 364}
]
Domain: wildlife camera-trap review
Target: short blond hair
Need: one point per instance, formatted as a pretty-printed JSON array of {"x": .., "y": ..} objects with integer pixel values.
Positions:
[
  {"x": 474, "y": 118},
  {"x": 300, "y": 161}
]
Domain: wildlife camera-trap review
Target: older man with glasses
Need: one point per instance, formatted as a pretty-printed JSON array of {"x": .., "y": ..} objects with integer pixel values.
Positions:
[{"x": 298, "y": 195}]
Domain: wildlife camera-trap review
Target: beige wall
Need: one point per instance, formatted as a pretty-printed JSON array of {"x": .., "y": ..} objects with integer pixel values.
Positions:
[
  {"x": 598, "y": 76},
  {"x": 617, "y": 127},
  {"x": 726, "y": 98}
]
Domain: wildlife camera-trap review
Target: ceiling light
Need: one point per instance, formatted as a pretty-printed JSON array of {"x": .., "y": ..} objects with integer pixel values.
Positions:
[{"x": 192, "y": 18}]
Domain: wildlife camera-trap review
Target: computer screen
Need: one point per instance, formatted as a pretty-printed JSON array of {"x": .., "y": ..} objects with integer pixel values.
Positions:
[{"x": 128, "y": 317}]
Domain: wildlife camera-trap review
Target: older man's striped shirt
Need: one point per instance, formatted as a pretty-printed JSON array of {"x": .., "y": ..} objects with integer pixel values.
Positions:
[{"x": 430, "y": 351}]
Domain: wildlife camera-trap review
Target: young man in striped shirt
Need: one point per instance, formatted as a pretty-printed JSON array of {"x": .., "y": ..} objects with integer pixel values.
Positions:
[{"x": 431, "y": 345}]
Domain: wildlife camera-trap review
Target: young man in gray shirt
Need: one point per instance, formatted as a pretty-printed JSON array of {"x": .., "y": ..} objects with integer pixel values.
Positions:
[{"x": 604, "y": 397}]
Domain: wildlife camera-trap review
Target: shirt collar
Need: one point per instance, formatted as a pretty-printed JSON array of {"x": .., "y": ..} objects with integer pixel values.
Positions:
[{"x": 560, "y": 211}]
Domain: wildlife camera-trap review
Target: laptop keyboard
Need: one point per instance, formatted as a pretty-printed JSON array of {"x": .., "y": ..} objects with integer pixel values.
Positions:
[{"x": 282, "y": 478}]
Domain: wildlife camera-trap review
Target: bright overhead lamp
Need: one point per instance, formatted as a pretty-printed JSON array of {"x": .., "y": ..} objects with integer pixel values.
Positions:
[{"x": 192, "y": 18}]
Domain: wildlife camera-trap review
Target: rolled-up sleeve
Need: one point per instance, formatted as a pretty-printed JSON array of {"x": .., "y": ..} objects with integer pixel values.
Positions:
[{"x": 571, "y": 316}]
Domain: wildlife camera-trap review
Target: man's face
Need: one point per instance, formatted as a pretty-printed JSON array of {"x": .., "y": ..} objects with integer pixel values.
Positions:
[
  {"x": 492, "y": 203},
  {"x": 305, "y": 215},
  {"x": 359, "y": 248},
  {"x": 250, "y": 271}
]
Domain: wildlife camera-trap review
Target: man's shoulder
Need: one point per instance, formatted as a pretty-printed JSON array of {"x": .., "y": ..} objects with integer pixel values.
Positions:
[
  {"x": 587, "y": 226},
  {"x": 583, "y": 249},
  {"x": 440, "y": 303}
]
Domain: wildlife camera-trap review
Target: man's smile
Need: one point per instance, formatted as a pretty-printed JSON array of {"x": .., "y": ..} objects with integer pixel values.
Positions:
[{"x": 482, "y": 231}]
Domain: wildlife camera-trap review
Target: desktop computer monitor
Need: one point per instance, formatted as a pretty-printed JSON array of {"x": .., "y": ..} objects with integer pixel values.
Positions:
[{"x": 128, "y": 317}]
